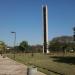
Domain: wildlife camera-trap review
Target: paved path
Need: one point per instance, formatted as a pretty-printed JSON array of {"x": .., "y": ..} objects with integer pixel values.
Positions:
[{"x": 11, "y": 67}]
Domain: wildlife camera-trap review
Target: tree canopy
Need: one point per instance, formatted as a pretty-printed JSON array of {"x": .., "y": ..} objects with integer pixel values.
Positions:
[
  {"x": 23, "y": 46},
  {"x": 61, "y": 43},
  {"x": 2, "y": 46}
]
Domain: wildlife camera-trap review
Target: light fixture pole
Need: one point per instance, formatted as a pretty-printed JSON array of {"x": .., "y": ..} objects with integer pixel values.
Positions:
[{"x": 14, "y": 42}]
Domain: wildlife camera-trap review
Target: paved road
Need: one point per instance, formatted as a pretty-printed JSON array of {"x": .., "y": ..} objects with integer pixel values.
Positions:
[{"x": 11, "y": 67}]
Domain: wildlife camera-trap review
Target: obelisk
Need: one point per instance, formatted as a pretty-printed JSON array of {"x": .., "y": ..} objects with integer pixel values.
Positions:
[{"x": 45, "y": 29}]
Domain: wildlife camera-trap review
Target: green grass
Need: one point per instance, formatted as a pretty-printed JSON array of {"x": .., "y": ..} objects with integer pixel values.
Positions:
[{"x": 47, "y": 63}]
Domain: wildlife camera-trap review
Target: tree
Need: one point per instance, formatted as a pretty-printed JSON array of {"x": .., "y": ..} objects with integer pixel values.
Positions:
[
  {"x": 2, "y": 47},
  {"x": 23, "y": 46},
  {"x": 61, "y": 43}
]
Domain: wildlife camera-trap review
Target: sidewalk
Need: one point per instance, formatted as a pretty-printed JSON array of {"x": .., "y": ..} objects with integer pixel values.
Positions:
[{"x": 11, "y": 67}]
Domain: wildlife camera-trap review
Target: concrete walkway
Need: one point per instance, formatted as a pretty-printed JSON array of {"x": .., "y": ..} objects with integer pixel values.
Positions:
[{"x": 11, "y": 67}]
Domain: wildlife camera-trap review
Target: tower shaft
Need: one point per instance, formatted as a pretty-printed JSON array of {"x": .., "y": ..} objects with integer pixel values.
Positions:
[{"x": 45, "y": 27}]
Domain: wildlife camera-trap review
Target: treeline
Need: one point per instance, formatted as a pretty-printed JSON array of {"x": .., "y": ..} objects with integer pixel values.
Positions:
[
  {"x": 57, "y": 44},
  {"x": 24, "y": 47}
]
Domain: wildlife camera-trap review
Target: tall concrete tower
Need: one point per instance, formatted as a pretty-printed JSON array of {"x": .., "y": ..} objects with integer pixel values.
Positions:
[
  {"x": 45, "y": 29},
  {"x": 74, "y": 34}
]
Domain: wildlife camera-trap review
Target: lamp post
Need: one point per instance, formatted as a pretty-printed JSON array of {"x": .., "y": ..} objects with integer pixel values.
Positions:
[{"x": 14, "y": 42}]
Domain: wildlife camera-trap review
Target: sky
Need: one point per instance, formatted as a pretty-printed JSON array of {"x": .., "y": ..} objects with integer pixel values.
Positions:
[{"x": 25, "y": 18}]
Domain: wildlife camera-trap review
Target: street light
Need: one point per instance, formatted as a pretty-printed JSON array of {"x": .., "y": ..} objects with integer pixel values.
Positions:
[{"x": 14, "y": 42}]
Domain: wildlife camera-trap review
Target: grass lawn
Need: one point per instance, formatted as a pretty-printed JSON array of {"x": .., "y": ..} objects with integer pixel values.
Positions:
[{"x": 49, "y": 64}]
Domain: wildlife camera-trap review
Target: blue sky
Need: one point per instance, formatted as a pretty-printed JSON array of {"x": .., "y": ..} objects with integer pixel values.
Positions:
[{"x": 25, "y": 18}]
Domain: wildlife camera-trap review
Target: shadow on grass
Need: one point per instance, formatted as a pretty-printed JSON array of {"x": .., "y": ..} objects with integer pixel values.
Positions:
[{"x": 64, "y": 59}]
